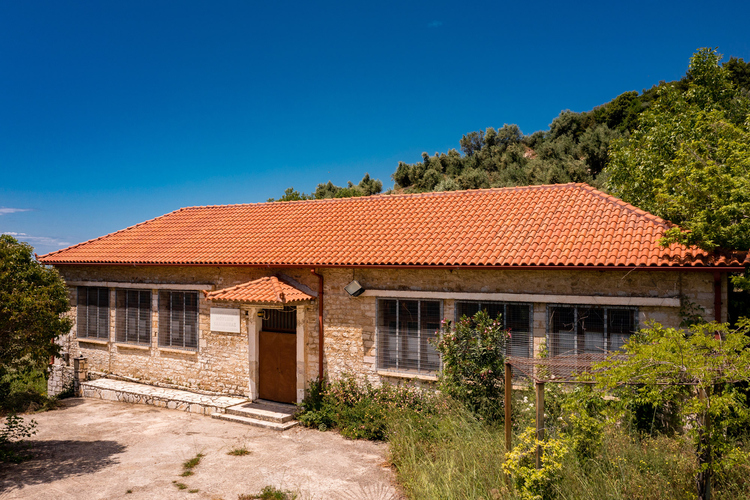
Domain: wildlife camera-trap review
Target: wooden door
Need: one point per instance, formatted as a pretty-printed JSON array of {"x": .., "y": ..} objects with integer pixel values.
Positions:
[{"x": 277, "y": 367}]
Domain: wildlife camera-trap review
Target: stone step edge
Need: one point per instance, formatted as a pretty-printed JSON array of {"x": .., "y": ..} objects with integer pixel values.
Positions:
[
  {"x": 151, "y": 400},
  {"x": 255, "y": 422},
  {"x": 257, "y": 413}
]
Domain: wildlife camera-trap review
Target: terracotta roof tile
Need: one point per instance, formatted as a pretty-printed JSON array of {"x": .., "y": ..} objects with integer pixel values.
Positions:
[
  {"x": 269, "y": 289},
  {"x": 557, "y": 225}
]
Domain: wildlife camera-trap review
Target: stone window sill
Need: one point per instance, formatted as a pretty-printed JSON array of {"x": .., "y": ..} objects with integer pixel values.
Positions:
[
  {"x": 92, "y": 341},
  {"x": 407, "y": 375},
  {"x": 178, "y": 351},
  {"x": 123, "y": 345}
]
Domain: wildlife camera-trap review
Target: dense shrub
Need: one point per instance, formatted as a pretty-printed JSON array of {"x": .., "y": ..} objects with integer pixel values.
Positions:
[
  {"x": 361, "y": 410},
  {"x": 473, "y": 354}
]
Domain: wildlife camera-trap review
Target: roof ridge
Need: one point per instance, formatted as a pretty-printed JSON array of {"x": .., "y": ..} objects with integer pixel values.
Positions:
[{"x": 389, "y": 196}]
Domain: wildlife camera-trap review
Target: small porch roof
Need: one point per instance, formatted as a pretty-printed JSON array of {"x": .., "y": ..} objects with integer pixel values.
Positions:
[{"x": 268, "y": 290}]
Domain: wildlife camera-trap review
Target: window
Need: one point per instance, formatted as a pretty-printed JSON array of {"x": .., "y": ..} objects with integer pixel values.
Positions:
[
  {"x": 133, "y": 316},
  {"x": 594, "y": 330},
  {"x": 405, "y": 328},
  {"x": 92, "y": 314},
  {"x": 178, "y": 319},
  {"x": 280, "y": 320},
  {"x": 516, "y": 317}
]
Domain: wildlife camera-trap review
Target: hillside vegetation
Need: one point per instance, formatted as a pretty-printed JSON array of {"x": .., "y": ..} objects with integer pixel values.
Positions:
[{"x": 575, "y": 148}]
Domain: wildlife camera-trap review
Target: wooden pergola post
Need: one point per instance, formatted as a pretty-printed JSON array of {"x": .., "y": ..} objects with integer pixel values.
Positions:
[
  {"x": 539, "y": 421},
  {"x": 508, "y": 393}
]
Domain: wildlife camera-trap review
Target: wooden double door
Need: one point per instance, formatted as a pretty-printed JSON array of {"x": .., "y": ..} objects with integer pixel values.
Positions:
[{"x": 277, "y": 361}]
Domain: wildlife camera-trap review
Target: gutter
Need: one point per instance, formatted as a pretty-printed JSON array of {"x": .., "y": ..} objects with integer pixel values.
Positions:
[
  {"x": 320, "y": 324},
  {"x": 704, "y": 269}
]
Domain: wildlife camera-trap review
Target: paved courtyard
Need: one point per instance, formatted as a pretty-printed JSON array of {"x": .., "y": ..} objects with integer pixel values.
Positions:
[{"x": 93, "y": 449}]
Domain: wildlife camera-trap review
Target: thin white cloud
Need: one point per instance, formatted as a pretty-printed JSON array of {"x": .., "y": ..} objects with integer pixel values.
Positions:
[
  {"x": 435, "y": 24},
  {"x": 38, "y": 240},
  {"x": 4, "y": 211}
]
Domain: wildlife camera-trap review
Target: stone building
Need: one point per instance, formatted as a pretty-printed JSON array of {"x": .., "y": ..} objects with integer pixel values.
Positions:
[{"x": 259, "y": 299}]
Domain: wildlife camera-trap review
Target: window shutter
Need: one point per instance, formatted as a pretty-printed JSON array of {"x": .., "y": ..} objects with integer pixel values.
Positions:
[
  {"x": 120, "y": 318},
  {"x": 103, "y": 313},
  {"x": 81, "y": 312},
  {"x": 144, "y": 318},
  {"x": 164, "y": 318}
]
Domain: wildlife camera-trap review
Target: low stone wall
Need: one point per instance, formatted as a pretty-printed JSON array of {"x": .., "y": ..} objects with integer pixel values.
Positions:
[{"x": 60, "y": 378}]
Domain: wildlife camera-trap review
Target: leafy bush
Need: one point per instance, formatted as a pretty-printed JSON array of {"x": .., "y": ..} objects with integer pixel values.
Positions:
[
  {"x": 533, "y": 483},
  {"x": 360, "y": 410},
  {"x": 473, "y": 353},
  {"x": 15, "y": 429}
]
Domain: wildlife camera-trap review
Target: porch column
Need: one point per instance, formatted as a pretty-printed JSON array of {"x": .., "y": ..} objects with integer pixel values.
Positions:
[
  {"x": 254, "y": 324},
  {"x": 300, "y": 353}
]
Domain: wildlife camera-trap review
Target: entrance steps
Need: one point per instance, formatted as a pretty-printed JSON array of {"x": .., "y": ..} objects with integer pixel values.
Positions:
[{"x": 260, "y": 413}]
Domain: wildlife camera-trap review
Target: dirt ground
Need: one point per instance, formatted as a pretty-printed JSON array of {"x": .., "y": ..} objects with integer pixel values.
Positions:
[{"x": 93, "y": 449}]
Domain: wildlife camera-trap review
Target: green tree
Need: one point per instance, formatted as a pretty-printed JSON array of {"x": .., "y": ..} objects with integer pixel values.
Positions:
[
  {"x": 290, "y": 194},
  {"x": 696, "y": 370},
  {"x": 689, "y": 159},
  {"x": 473, "y": 354},
  {"x": 33, "y": 299}
]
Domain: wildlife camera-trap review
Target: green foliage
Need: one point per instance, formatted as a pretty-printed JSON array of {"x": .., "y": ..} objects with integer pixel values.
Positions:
[
  {"x": 14, "y": 430},
  {"x": 697, "y": 372},
  {"x": 360, "y": 410},
  {"x": 584, "y": 421},
  {"x": 689, "y": 159},
  {"x": 520, "y": 463},
  {"x": 33, "y": 299},
  {"x": 270, "y": 493},
  {"x": 473, "y": 354},
  {"x": 366, "y": 187}
]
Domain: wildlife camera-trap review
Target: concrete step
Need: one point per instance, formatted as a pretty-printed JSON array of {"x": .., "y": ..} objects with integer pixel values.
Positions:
[
  {"x": 260, "y": 410},
  {"x": 276, "y": 426}
]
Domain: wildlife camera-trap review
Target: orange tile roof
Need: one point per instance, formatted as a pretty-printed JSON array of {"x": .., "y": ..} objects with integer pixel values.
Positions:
[
  {"x": 268, "y": 289},
  {"x": 556, "y": 225}
]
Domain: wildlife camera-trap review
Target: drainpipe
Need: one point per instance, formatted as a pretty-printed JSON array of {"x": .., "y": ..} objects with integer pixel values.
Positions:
[{"x": 320, "y": 323}]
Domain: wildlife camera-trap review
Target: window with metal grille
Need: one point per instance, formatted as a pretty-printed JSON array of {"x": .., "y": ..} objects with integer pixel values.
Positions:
[
  {"x": 178, "y": 319},
  {"x": 576, "y": 330},
  {"x": 516, "y": 317},
  {"x": 280, "y": 320},
  {"x": 92, "y": 314},
  {"x": 405, "y": 329},
  {"x": 133, "y": 316}
]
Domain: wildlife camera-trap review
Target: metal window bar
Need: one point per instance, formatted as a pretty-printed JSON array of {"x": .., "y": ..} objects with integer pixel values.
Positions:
[
  {"x": 404, "y": 328},
  {"x": 133, "y": 316},
  {"x": 520, "y": 344},
  {"x": 573, "y": 347},
  {"x": 92, "y": 315},
  {"x": 178, "y": 319}
]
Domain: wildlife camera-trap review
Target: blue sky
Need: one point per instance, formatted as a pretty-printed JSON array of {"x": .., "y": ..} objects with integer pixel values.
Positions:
[{"x": 112, "y": 113}]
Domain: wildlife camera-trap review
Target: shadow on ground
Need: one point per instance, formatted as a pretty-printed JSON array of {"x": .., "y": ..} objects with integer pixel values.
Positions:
[{"x": 54, "y": 460}]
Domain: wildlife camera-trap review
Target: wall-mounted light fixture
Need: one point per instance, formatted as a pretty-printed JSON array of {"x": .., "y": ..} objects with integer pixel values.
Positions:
[{"x": 354, "y": 288}]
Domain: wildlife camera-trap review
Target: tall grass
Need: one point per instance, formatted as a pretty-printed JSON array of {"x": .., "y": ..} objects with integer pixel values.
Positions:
[
  {"x": 459, "y": 457},
  {"x": 454, "y": 457}
]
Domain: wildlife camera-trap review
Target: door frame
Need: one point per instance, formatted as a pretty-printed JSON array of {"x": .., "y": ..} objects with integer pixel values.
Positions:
[{"x": 254, "y": 326}]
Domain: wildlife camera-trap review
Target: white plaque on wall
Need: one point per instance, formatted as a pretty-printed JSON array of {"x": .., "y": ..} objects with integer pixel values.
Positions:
[{"x": 225, "y": 320}]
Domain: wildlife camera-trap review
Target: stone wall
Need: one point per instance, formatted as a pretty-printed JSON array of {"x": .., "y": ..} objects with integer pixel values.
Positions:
[
  {"x": 223, "y": 361},
  {"x": 350, "y": 322}
]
